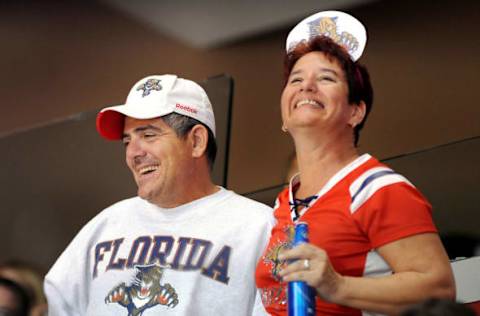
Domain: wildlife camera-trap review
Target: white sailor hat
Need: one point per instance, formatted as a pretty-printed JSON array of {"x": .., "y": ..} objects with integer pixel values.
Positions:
[{"x": 341, "y": 27}]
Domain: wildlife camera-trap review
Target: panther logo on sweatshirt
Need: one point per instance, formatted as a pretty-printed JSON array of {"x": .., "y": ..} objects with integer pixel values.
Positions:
[{"x": 144, "y": 292}]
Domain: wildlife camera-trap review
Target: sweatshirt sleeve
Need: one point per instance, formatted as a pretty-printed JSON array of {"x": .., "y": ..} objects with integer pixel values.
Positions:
[
  {"x": 66, "y": 284},
  {"x": 57, "y": 304}
]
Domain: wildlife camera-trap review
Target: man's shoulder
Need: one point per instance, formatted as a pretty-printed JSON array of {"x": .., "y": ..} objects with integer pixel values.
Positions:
[
  {"x": 118, "y": 210},
  {"x": 246, "y": 204},
  {"x": 124, "y": 205},
  {"x": 246, "y": 200}
]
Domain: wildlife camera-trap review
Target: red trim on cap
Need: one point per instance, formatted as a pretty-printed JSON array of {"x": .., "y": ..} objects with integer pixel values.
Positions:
[{"x": 110, "y": 125}]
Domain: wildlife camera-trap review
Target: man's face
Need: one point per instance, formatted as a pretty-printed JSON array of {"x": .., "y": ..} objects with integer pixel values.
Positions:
[{"x": 159, "y": 160}]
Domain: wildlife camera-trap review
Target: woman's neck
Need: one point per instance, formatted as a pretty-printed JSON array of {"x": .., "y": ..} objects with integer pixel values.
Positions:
[{"x": 320, "y": 161}]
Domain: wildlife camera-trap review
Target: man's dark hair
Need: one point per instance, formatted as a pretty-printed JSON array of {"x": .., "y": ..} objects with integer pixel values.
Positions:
[
  {"x": 22, "y": 302},
  {"x": 182, "y": 124},
  {"x": 358, "y": 79}
]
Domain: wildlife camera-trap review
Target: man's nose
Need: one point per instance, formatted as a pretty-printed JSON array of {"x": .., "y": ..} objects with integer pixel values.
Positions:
[{"x": 135, "y": 151}]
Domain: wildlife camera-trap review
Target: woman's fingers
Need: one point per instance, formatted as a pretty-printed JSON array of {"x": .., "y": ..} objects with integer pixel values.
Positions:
[
  {"x": 303, "y": 251},
  {"x": 310, "y": 264},
  {"x": 297, "y": 275},
  {"x": 304, "y": 258},
  {"x": 295, "y": 266}
]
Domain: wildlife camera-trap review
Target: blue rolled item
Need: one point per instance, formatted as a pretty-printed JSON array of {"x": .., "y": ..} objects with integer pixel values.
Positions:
[{"x": 301, "y": 297}]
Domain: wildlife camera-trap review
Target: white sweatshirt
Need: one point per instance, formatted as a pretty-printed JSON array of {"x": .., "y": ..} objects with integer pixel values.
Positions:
[{"x": 135, "y": 258}]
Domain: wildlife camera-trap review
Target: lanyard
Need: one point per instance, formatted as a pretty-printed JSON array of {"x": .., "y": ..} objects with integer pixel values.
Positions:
[{"x": 295, "y": 212}]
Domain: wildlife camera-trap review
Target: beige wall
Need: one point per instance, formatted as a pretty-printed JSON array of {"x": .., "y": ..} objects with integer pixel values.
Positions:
[{"x": 58, "y": 59}]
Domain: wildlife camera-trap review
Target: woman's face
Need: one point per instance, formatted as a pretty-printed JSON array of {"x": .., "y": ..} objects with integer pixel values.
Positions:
[{"x": 316, "y": 95}]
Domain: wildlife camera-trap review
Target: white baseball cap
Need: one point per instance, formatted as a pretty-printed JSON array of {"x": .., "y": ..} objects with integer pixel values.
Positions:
[
  {"x": 341, "y": 27},
  {"x": 156, "y": 96}
]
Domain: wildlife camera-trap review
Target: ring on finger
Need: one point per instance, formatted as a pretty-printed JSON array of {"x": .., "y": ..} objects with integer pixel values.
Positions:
[{"x": 306, "y": 264}]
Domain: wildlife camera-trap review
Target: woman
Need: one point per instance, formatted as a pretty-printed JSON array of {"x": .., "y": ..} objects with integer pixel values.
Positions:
[{"x": 373, "y": 245}]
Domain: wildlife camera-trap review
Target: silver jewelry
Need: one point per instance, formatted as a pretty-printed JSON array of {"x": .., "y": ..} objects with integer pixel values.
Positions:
[{"x": 306, "y": 264}]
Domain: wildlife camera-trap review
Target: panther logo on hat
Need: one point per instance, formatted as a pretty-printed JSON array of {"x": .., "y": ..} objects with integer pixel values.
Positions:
[
  {"x": 147, "y": 87},
  {"x": 328, "y": 26}
]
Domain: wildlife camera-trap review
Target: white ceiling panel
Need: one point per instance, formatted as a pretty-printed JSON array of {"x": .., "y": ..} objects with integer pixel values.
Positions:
[{"x": 210, "y": 23}]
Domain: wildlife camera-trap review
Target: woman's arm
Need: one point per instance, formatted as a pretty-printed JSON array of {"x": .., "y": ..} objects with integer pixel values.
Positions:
[{"x": 421, "y": 270}]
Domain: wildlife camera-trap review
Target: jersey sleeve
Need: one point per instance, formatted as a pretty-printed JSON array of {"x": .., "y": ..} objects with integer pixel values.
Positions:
[{"x": 392, "y": 211}]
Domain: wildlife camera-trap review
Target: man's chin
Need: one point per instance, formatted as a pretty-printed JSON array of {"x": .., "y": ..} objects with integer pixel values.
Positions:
[{"x": 146, "y": 195}]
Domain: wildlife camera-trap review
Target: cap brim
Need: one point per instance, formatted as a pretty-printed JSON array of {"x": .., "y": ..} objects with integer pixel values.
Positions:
[{"x": 110, "y": 124}]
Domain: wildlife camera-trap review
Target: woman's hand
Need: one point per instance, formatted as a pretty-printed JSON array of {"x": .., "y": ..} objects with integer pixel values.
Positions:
[{"x": 313, "y": 267}]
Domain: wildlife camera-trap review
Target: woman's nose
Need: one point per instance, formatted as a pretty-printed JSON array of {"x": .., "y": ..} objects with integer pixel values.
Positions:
[{"x": 309, "y": 84}]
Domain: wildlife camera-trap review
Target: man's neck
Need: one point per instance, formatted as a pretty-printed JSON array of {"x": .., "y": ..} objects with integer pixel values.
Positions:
[{"x": 190, "y": 185}]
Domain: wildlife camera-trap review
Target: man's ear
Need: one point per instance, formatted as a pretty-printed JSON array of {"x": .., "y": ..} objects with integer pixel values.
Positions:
[
  {"x": 358, "y": 114},
  {"x": 199, "y": 138}
]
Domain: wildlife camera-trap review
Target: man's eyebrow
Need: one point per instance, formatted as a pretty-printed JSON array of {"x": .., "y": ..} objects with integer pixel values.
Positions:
[{"x": 142, "y": 129}]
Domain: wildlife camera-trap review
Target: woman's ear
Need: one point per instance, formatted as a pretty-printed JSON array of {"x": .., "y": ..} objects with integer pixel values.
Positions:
[
  {"x": 358, "y": 114},
  {"x": 199, "y": 137}
]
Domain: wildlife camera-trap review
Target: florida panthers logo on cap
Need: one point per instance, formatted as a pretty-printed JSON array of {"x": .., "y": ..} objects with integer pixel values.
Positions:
[
  {"x": 149, "y": 85},
  {"x": 145, "y": 291}
]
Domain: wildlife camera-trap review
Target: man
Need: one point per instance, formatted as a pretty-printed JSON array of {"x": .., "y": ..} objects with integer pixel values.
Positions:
[{"x": 183, "y": 246}]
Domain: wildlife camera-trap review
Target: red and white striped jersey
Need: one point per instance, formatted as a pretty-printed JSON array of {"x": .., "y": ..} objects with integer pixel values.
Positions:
[{"x": 362, "y": 207}]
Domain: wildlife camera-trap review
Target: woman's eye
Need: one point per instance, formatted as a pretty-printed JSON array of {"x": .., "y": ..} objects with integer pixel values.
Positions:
[
  {"x": 327, "y": 78},
  {"x": 293, "y": 80}
]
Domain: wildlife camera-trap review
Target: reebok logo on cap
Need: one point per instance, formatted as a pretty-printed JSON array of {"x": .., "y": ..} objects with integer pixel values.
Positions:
[{"x": 185, "y": 108}]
